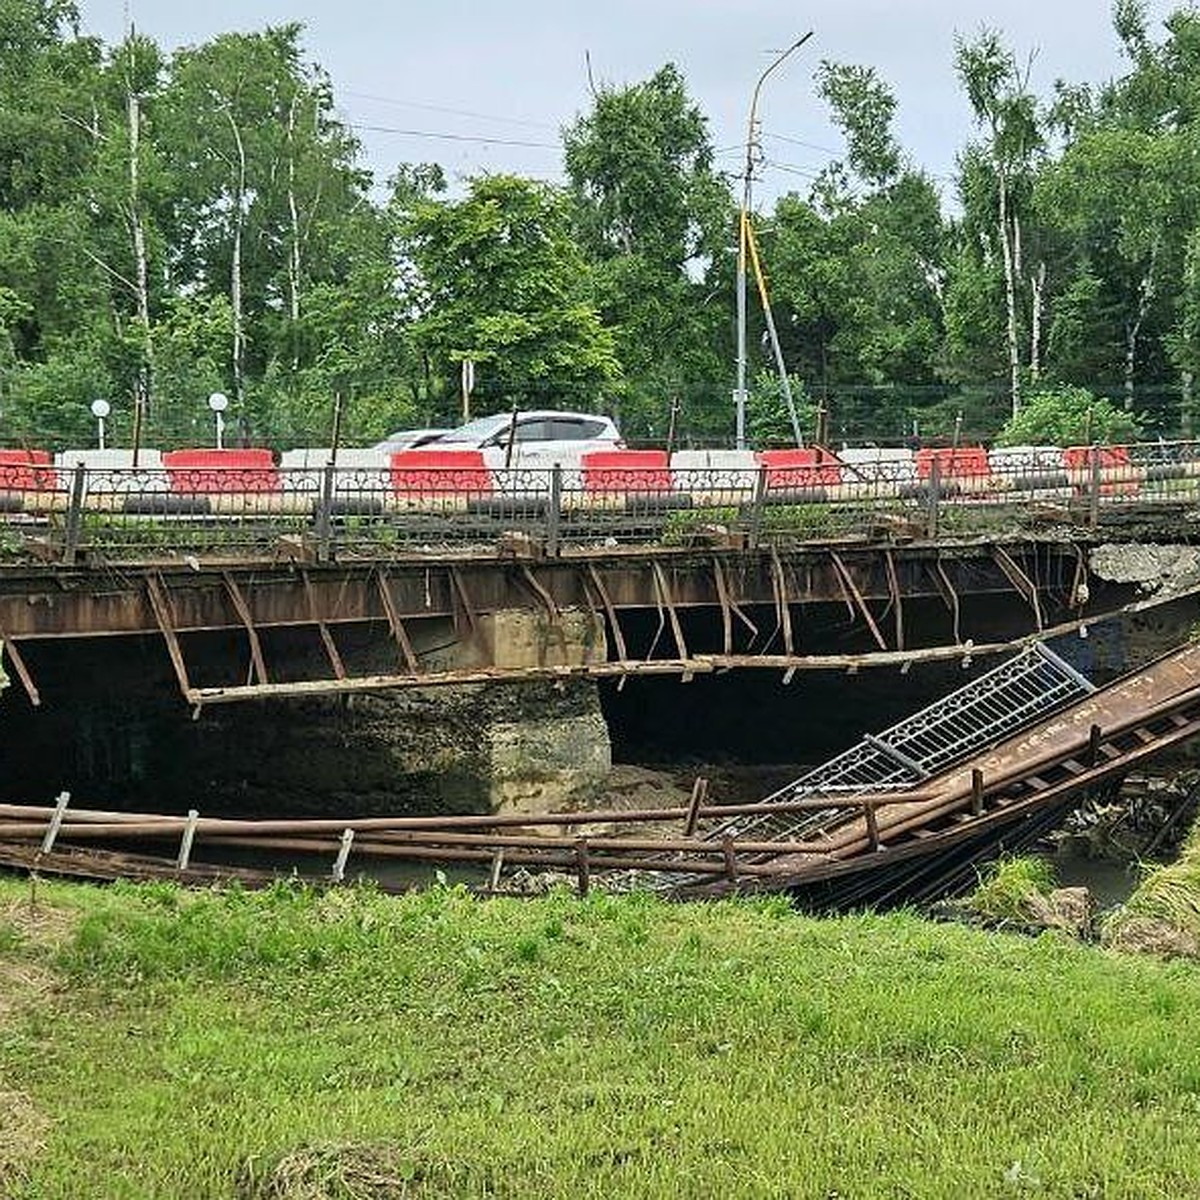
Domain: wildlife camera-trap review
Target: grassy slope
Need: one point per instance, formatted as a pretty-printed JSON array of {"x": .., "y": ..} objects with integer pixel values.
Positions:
[{"x": 612, "y": 1047}]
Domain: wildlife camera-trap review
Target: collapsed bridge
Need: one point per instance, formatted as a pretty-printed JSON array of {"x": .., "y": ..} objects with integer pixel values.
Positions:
[{"x": 903, "y": 815}]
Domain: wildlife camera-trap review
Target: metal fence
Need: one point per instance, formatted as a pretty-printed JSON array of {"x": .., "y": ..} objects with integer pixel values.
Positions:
[{"x": 346, "y": 512}]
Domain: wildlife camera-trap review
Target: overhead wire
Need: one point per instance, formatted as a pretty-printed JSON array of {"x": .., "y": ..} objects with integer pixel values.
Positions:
[
  {"x": 442, "y": 135},
  {"x": 454, "y": 112}
]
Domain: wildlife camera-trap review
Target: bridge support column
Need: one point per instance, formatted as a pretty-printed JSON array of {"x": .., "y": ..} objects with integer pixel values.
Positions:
[{"x": 546, "y": 745}]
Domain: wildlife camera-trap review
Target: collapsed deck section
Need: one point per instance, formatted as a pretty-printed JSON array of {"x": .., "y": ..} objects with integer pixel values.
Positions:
[
  {"x": 1014, "y": 695},
  {"x": 1004, "y": 777}
]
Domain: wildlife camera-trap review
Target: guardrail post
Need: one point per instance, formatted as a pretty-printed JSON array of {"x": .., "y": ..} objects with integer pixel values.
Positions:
[
  {"x": 56, "y": 820},
  {"x": 554, "y": 512},
  {"x": 325, "y": 514},
  {"x": 583, "y": 868},
  {"x": 1094, "y": 489},
  {"x": 935, "y": 494},
  {"x": 339, "y": 866},
  {"x": 185, "y": 843},
  {"x": 74, "y": 515},
  {"x": 756, "y": 511}
]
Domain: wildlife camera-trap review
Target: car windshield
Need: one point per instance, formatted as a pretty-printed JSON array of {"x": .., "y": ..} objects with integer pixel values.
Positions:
[{"x": 478, "y": 430}]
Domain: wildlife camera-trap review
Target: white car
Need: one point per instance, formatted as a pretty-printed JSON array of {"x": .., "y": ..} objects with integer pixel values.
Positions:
[
  {"x": 535, "y": 439},
  {"x": 409, "y": 439}
]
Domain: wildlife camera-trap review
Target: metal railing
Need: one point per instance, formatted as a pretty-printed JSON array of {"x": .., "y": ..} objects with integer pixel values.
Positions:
[
  {"x": 1018, "y": 693},
  {"x": 348, "y": 512}
]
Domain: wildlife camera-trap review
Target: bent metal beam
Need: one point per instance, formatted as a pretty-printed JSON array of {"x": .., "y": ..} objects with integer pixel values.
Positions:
[{"x": 51, "y": 601}]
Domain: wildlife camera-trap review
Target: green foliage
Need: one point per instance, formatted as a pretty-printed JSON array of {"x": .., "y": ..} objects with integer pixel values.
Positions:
[
  {"x": 272, "y": 273},
  {"x": 863, "y": 107},
  {"x": 1010, "y": 889},
  {"x": 655, "y": 216},
  {"x": 1170, "y": 894},
  {"x": 506, "y": 287},
  {"x": 768, "y": 420},
  {"x": 1068, "y": 416}
]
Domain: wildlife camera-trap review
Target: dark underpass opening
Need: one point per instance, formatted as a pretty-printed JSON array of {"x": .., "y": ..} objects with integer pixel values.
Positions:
[
  {"x": 114, "y": 730},
  {"x": 758, "y": 716}
]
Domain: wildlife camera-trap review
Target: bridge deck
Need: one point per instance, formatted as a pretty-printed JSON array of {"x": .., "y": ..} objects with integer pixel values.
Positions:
[{"x": 1018, "y": 781}]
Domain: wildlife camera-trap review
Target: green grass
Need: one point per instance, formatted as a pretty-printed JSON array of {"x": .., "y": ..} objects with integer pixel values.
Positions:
[
  {"x": 287, "y": 1045},
  {"x": 1010, "y": 889},
  {"x": 1163, "y": 914}
]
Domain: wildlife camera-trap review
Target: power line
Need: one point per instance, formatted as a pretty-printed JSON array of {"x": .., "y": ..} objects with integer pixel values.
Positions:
[
  {"x": 790, "y": 168},
  {"x": 783, "y": 137},
  {"x": 453, "y": 137},
  {"x": 455, "y": 112}
]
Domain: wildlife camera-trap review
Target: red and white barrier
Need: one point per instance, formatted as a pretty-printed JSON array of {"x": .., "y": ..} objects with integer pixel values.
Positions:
[
  {"x": 800, "y": 469},
  {"x": 212, "y": 472},
  {"x": 624, "y": 471},
  {"x": 439, "y": 475},
  {"x": 357, "y": 470},
  {"x": 112, "y": 472},
  {"x": 959, "y": 463},
  {"x": 714, "y": 471},
  {"x": 878, "y": 464},
  {"x": 27, "y": 471}
]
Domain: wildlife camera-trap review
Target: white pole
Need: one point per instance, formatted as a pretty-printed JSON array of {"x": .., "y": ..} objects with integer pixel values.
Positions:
[{"x": 739, "y": 395}]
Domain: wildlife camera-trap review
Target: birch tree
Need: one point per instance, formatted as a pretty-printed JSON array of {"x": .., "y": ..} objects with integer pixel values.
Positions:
[{"x": 1006, "y": 111}]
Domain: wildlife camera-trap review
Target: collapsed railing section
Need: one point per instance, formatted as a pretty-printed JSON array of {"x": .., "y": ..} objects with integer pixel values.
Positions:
[
  {"x": 347, "y": 511},
  {"x": 115, "y": 844}
]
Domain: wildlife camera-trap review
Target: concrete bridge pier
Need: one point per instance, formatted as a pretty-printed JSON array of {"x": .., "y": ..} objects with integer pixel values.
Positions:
[{"x": 113, "y": 729}]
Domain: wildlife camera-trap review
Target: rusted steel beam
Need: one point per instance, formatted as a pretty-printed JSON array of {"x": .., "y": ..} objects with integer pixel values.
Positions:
[
  {"x": 660, "y": 581},
  {"x": 543, "y": 596},
  {"x": 697, "y": 664},
  {"x": 726, "y": 610},
  {"x": 1025, "y": 586},
  {"x": 897, "y": 597},
  {"x": 611, "y": 612},
  {"x": 810, "y": 870},
  {"x": 396, "y": 624},
  {"x": 34, "y": 817},
  {"x": 335, "y": 658},
  {"x": 782, "y": 602},
  {"x": 949, "y": 595},
  {"x": 243, "y": 611},
  {"x": 859, "y": 600},
  {"x": 83, "y": 602},
  {"x": 160, "y": 603},
  {"x": 9, "y": 646}
]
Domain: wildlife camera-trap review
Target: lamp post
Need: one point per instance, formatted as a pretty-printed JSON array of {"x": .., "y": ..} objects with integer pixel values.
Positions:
[
  {"x": 219, "y": 402},
  {"x": 739, "y": 395},
  {"x": 100, "y": 410}
]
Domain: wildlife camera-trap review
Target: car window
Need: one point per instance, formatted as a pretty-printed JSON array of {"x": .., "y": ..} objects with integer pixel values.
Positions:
[
  {"x": 570, "y": 429},
  {"x": 477, "y": 431},
  {"x": 531, "y": 431}
]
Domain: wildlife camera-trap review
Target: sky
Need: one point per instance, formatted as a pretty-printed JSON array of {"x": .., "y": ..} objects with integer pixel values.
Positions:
[{"x": 488, "y": 86}]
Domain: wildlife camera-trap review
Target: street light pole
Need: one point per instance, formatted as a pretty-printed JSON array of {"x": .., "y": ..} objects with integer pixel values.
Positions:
[
  {"x": 739, "y": 395},
  {"x": 218, "y": 402},
  {"x": 100, "y": 410}
]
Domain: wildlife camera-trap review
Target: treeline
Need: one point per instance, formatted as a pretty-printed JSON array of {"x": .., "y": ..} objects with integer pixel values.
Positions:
[{"x": 177, "y": 224}]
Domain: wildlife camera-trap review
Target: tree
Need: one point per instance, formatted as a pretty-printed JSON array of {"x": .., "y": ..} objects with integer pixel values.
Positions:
[
  {"x": 1007, "y": 111},
  {"x": 266, "y": 175},
  {"x": 1067, "y": 416},
  {"x": 857, "y": 266},
  {"x": 862, "y": 107},
  {"x": 657, "y": 219},
  {"x": 505, "y": 286}
]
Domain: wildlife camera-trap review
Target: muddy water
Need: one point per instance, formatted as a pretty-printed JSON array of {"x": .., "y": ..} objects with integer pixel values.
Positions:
[{"x": 1111, "y": 883}]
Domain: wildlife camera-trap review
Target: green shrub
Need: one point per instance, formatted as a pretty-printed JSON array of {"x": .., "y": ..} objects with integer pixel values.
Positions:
[
  {"x": 1068, "y": 416},
  {"x": 1010, "y": 890}
]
